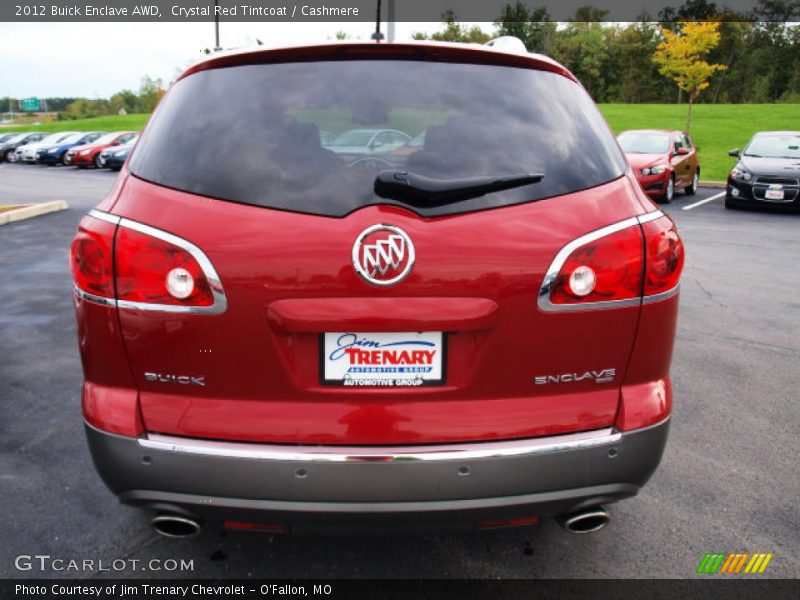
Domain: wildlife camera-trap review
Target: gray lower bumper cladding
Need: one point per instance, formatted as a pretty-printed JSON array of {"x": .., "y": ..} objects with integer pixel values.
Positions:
[{"x": 331, "y": 488}]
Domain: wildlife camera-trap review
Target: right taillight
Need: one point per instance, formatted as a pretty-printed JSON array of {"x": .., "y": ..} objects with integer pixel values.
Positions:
[
  {"x": 118, "y": 261},
  {"x": 663, "y": 256},
  {"x": 615, "y": 266},
  {"x": 608, "y": 269}
]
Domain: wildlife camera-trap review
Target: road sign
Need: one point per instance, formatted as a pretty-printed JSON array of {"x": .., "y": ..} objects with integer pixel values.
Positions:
[{"x": 30, "y": 104}]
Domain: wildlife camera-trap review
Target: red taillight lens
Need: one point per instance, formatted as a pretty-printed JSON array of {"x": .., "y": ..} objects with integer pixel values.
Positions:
[
  {"x": 664, "y": 256},
  {"x": 253, "y": 526},
  {"x": 154, "y": 271},
  {"x": 509, "y": 523},
  {"x": 637, "y": 258},
  {"x": 608, "y": 268},
  {"x": 91, "y": 257}
]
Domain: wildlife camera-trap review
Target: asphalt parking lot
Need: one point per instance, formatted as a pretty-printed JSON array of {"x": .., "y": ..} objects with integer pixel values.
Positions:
[{"x": 728, "y": 481}]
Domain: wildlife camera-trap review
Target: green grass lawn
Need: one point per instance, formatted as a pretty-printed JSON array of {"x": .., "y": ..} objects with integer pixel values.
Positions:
[
  {"x": 111, "y": 123},
  {"x": 716, "y": 128}
]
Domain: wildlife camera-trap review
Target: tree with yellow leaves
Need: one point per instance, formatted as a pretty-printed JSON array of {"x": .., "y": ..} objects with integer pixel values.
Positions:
[{"x": 681, "y": 57}]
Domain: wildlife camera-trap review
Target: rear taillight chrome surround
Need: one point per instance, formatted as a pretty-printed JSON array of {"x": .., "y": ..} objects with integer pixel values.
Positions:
[
  {"x": 102, "y": 274},
  {"x": 649, "y": 261}
]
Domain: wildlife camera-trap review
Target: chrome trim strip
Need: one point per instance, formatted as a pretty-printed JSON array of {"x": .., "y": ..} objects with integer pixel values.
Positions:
[
  {"x": 543, "y": 300},
  {"x": 91, "y": 297},
  {"x": 759, "y": 179},
  {"x": 104, "y": 216},
  {"x": 220, "y": 300},
  {"x": 651, "y": 216},
  {"x": 662, "y": 295},
  {"x": 351, "y": 454}
]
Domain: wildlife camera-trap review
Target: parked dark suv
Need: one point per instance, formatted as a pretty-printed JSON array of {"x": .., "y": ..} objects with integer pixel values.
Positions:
[{"x": 475, "y": 333}]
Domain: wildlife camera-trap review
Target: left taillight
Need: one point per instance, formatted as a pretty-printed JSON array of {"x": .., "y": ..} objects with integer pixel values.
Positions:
[
  {"x": 156, "y": 271},
  {"x": 92, "y": 258},
  {"x": 137, "y": 266}
]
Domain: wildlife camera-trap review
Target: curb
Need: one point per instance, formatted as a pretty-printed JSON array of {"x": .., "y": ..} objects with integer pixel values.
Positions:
[
  {"x": 714, "y": 184},
  {"x": 34, "y": 210}
]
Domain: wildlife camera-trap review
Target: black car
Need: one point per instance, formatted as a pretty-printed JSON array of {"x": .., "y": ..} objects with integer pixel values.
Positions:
[
  {"x": 9, "y": 146},
  {"x": 115, "y": 156},
  {"x": 768, "y": 172}
]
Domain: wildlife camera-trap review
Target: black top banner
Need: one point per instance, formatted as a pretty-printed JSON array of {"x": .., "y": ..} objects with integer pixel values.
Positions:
[{"x": 392, "y": 10}]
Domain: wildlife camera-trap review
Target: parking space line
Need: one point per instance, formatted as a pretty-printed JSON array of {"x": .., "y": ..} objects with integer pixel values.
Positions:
[{"x": 709, "y": 199}]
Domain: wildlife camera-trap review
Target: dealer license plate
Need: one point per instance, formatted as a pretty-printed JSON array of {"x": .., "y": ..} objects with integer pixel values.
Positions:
[{"x": 383, "y": 359}]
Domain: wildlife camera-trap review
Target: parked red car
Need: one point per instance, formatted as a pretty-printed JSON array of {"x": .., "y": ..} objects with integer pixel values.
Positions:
[
  {"x": 88, "y": 154},
  {"x": 664, "y": 161},
  {"x": 276, "y": 339}
]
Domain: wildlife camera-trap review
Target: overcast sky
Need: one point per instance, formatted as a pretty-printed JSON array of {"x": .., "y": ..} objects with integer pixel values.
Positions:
[{"x": 100, "y": 59}]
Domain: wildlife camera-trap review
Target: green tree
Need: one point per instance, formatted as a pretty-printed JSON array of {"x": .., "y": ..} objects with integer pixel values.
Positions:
[
  {"x": 691, "y": 10},
  {"x": 125, "y": 99},
  {"x": 455, "y": 32},
  {"x": 84, "y": 108},
  {"x": 532, "y": 26},
  {"x": 631, "y": 76},
  {"x": 150, "y": 92},
  {"x": 582, "y": 46}
]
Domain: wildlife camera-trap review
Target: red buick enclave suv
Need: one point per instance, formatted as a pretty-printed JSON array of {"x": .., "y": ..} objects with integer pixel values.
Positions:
[{"x": 475, "y": 334}]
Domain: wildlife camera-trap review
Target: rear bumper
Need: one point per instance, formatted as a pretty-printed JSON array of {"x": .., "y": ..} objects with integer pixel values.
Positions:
[{"x": 330, "y": 489}]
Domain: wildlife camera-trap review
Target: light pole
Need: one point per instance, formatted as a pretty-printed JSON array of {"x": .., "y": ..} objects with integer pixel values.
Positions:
[
  {"x": 217, "y": 47},
  {"x": 378, "y": 36}
]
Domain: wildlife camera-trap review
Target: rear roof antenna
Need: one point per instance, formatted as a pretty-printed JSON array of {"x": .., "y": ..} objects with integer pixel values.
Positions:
[
  {"x": 378, "y": 36},
  {"x": 508, "y": 43}
]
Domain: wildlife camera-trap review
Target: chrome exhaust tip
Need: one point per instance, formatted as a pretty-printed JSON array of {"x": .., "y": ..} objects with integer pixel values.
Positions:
[
  {"x": 586, "y": 521},
  {"x": 175, "y": 526}
]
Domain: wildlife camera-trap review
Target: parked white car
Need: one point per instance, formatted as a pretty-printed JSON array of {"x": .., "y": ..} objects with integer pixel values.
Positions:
[
  {"x": 361, "y": 142},
  {"x": 27, "y": 153}
]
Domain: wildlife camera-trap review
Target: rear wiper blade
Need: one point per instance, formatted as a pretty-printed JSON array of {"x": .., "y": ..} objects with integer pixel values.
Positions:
[{"x": 422, "y": 191}]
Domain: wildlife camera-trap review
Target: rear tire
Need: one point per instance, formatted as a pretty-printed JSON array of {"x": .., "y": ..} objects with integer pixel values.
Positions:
[{"x": 691, "y": 189}]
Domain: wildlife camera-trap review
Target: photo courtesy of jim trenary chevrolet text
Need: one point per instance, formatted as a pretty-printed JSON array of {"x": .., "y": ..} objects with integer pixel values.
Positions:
[{"x": 399, "y": 299}]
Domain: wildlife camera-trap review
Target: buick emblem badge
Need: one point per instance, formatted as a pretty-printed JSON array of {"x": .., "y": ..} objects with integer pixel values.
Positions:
[{"x": 383, "y": 255}]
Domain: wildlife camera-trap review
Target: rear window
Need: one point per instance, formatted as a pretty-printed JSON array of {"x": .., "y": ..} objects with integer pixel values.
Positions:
[{"x": 311, "y": 137}]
